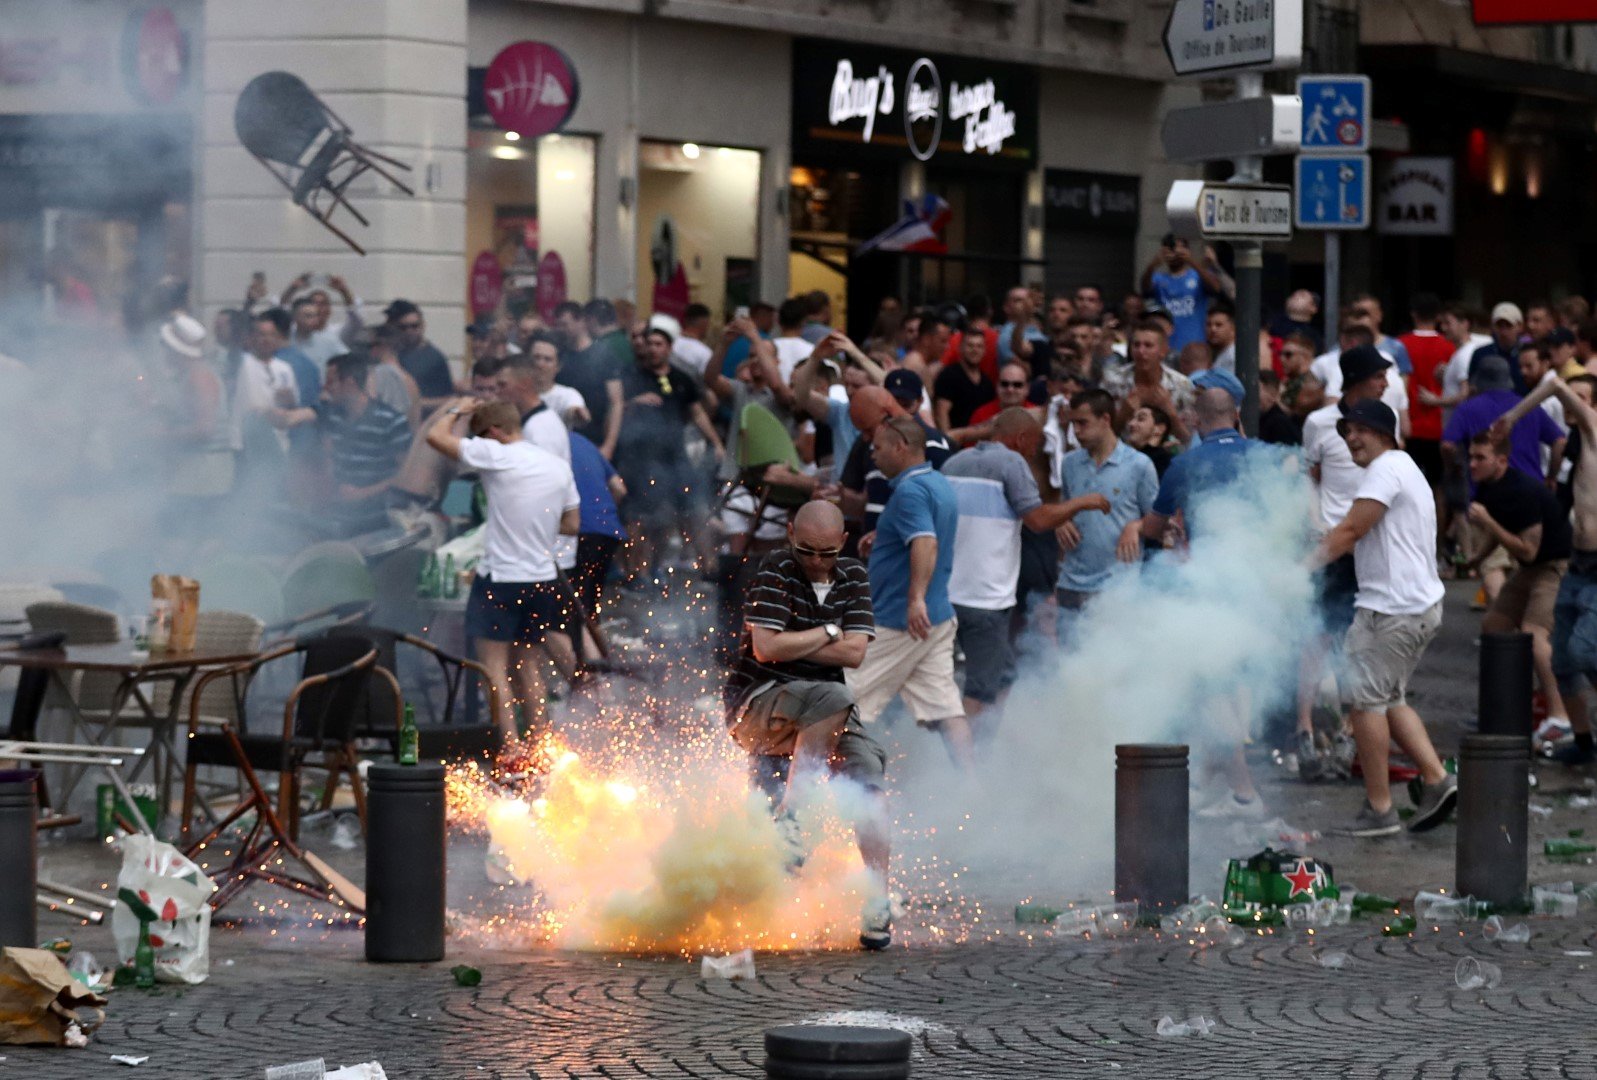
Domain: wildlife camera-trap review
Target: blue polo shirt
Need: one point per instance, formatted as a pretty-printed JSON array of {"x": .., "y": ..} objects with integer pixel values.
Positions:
[
  {"x": 923, "y": 503},
  {"x": 1216, "y": 461},
  {"x": 1129, "y": 481}
]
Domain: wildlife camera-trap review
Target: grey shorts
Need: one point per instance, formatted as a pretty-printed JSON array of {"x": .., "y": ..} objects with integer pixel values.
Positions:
[
  {"x": 1382, "y": 652},
  {"x": 769, "y": 723},
  {"x": 983, "y": 636}
]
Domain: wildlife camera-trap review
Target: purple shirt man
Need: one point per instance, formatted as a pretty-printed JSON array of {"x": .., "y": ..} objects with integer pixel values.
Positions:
[{"x": 1493, "y": 398}]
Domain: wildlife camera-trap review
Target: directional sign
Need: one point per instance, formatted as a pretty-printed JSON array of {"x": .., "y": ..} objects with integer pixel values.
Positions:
[
  {"x": 1333, "y": 191},
  {"x": 1336, "y": 113},
  {"x": 1206, "y": 36},
  {"x": 1225, "y": 130},
  {"x": 1217, "y": 211}
]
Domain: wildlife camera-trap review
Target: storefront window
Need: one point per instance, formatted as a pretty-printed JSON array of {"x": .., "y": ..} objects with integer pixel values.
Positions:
[
  {"x": 698, "y": 227},
  {"x": 529, "y": 202}
]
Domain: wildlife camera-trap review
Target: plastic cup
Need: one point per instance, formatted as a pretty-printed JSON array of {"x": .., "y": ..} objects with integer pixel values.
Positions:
[
  {"x": 1473, "y": 974},
  {"x": 1495, "y": 930}
]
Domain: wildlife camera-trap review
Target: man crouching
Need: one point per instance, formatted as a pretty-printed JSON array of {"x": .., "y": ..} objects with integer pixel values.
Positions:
[{"x": 807, "y": 617}]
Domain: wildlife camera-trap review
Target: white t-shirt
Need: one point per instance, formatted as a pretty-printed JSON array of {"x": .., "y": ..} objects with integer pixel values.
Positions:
[
  {"x": 256, "y": 392},
  {"x": 790, "y": 353},
  {"x": 1396, "y": 560},
  {"x": 1457, "y": 371},
  {"x": 1340, "y": 476},
  {"x": 692, "y": 354},
  {"x": 528, "y": 489},
  {"x": 563, "y": 399},
  {"x": 1226, "y": 358},
  {"x": 545, "y": 429}
]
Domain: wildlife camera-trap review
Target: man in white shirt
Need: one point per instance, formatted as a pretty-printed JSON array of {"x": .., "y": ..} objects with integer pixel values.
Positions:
[
  {"x": 1391, "y": 529},
  {"x": 314, "y": 334},
  {"x": 792, "y": 348},
  {"x": 1220, "y": 331},
  {"x": 265, "y": 385},
  {"x": 566, "y": 402},
  {"x": 1457, "y": 326},
  {"x": 517, "y": 603},
  {"x": 688, "y": 351},
  {"x": 1327, "y": 368}
]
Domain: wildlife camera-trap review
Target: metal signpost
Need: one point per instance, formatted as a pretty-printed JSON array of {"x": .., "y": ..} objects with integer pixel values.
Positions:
[
  {"x": 1332, "y": 175},
  {"x": 1244, "y": 37}
]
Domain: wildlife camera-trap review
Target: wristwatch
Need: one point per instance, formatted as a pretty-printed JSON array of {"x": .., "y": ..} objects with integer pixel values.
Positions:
[{"x": 832, "y": 631}]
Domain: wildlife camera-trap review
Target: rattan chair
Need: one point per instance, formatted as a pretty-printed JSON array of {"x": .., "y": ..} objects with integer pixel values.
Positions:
[{"x": 96, "y": 693}]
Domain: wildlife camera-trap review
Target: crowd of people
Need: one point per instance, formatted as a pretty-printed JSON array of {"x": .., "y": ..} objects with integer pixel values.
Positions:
[{"x": 902, "y": 518}]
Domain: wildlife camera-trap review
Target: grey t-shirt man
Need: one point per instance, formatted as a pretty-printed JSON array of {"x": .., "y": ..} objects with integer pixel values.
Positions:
[{"x": 995, "y": 488}]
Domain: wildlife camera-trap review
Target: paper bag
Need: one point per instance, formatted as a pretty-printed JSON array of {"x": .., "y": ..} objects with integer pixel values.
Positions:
[
  {"x": 39, "y": 999},
  {"x": 183, "y": 595},
  {"x": 173, "y": 896}
]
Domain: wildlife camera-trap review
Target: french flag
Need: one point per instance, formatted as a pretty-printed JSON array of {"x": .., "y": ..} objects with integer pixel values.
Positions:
[{"x": 920, "y": 229}]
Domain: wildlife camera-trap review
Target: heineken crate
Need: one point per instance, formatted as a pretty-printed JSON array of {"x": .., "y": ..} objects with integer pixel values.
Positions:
[
  {"x": 108, "y": 804},
  {"x": 1261, "y": 885}
]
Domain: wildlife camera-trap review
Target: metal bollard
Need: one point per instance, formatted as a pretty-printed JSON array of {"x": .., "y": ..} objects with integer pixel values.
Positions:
[
  {"x": 19, "y": 857},
  {"x": 1507, "y": 681},
  {"x": 406, "y": 848},
  {"x": 1151, "y": 826},
  {"x": 1493, "y": 794}
]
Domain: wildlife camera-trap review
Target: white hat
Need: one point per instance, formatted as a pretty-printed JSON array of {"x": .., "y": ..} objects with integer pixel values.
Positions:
[
  {"x": 184, "y": 335},
  {"x": 1506, "y": 312},
  {"x": 661, "y": 321}
]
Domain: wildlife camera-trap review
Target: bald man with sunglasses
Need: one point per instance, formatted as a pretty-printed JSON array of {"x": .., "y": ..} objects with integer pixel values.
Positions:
[{"x": 808, "y": 617}]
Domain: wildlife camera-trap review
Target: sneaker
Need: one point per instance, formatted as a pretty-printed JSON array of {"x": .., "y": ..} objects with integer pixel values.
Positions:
[
  {"x": 876, "y": 925},
  {"x": 1369, "y": 823},
  {"x": 1435, "y": 803},
  {"x": 1344, "y": 753},
  {"x": 1551, "y": 732},
  {"x": 1574, "y": 755},
  {"x": 1310, "y": 766},
  {"x": 1230, "y": 807}
]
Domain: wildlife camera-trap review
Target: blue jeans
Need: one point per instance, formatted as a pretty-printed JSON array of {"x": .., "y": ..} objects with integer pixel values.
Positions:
[{"x": 1575, "y": 627}]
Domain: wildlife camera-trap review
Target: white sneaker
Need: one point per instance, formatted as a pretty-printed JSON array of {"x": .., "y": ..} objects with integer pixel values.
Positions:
[{"x": 1230, "y": 808}]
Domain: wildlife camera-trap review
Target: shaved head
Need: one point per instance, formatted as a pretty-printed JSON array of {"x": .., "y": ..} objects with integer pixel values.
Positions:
[
  {"x": 1216, "y": 409},
  {"x": 817, "y": 525},
  {"x": 1019, "y": 430},
  {"x": 870, "y": 406}
]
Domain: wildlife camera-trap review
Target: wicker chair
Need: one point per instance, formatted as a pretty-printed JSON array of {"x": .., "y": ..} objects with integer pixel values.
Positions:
[{"x": 95, "y": 692}]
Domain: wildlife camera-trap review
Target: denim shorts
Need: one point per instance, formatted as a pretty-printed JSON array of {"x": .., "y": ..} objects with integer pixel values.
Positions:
[{"x": 1575, "y": 623}]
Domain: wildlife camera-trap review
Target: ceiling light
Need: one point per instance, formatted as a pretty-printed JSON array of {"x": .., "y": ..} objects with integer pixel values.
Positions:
[{"x": 690, "y": 151}]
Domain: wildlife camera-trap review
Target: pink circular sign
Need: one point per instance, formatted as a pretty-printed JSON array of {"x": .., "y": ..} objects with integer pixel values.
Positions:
[
  {"x": 155, "y": 55},
  {"x": 530, "y": 88},
  {"x": 551, "y": 285},
  {"x": 487, "y": 283}
]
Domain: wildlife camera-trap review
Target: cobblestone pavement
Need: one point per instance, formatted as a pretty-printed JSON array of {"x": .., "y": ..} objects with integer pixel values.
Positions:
[{"x": 1009, "y": 1008}]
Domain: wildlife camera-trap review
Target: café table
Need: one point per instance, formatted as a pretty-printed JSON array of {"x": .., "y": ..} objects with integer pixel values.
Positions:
[{"x": 136, "y": 671}]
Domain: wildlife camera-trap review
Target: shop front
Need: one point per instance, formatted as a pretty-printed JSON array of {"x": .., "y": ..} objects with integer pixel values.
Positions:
[
  {"x": 97, "y": 107},
  {"x": 876, "y": 128},
  {"x": 1090, "y": 222}
]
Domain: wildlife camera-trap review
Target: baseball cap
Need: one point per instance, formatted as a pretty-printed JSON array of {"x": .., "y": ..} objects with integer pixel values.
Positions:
[
  {"x": 1371, "y": 413},
  {"x": 661, "y": 321},
  {"x": 1220, "y": 379},
  {"x": 1360, "y": 362},
  {"x": 904, "y": 384},
  {"x": 1490, "y": 373},
  {"x": 1506, "y": 312}
]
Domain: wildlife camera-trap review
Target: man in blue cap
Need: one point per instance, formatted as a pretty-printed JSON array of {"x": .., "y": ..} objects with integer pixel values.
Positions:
[{"x": 1391, "y": 530}]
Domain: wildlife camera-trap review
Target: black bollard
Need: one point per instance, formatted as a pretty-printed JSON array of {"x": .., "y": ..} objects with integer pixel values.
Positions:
[
  {"x": 19, "y": 857},
  {"x": 1507, "y": 681},
  {"x": 1151, "y": 826},
  {"x": 405, "y": 852},
  {"x": 1493, "y": 795}
]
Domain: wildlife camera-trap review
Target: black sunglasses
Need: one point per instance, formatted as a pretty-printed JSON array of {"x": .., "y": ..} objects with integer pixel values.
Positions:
[{"x": 1011, "y": 385}]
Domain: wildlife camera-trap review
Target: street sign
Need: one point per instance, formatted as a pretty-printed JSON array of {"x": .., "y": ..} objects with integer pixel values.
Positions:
[
  {"x": 1336, "y": 113},
  {"x": 1206, "y": 36},
  {"x": 1225, "y": 130},
  {"x": 1218, "y": 211},
  {"x": 1333, "y": 191}
]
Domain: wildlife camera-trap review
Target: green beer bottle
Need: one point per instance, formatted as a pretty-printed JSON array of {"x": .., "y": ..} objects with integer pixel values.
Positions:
[
  {"x": 409, "y": 737},
  {"x": 1372, "y": 903},
  {"x": 144, "y": 959},
  {"x": 1036, "y": 914},
  {"x": 451, "y": 579},
  {"x": 1567, "y": 849}
]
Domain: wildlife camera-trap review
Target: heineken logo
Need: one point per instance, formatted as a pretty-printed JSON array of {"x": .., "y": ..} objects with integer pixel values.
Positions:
[{"x": 1302, "y": 879}]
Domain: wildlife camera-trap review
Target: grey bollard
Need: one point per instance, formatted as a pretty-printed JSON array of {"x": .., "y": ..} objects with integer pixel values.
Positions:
[
  {"x": 1493, "y": 795},
  {"x": 406, "y": 849},
  {"x": 1507, "y": 681},
  {"x": 1151, "y": 826},
  {"x": 19, "y": 857}
]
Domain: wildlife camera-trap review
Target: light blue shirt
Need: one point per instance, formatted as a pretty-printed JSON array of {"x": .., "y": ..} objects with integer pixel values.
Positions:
[
  {"x": 1128, "y": 480},
  {"x": 1006, "y": 332},
  {"x": 843, "y": 432},
  {"x": 923, "y": 503}
]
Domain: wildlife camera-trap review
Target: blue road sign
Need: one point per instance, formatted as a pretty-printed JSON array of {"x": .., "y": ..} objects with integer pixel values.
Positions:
[
  {"x": 1336, "y": 113},
  {"x": 1333, "y": 191}
]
